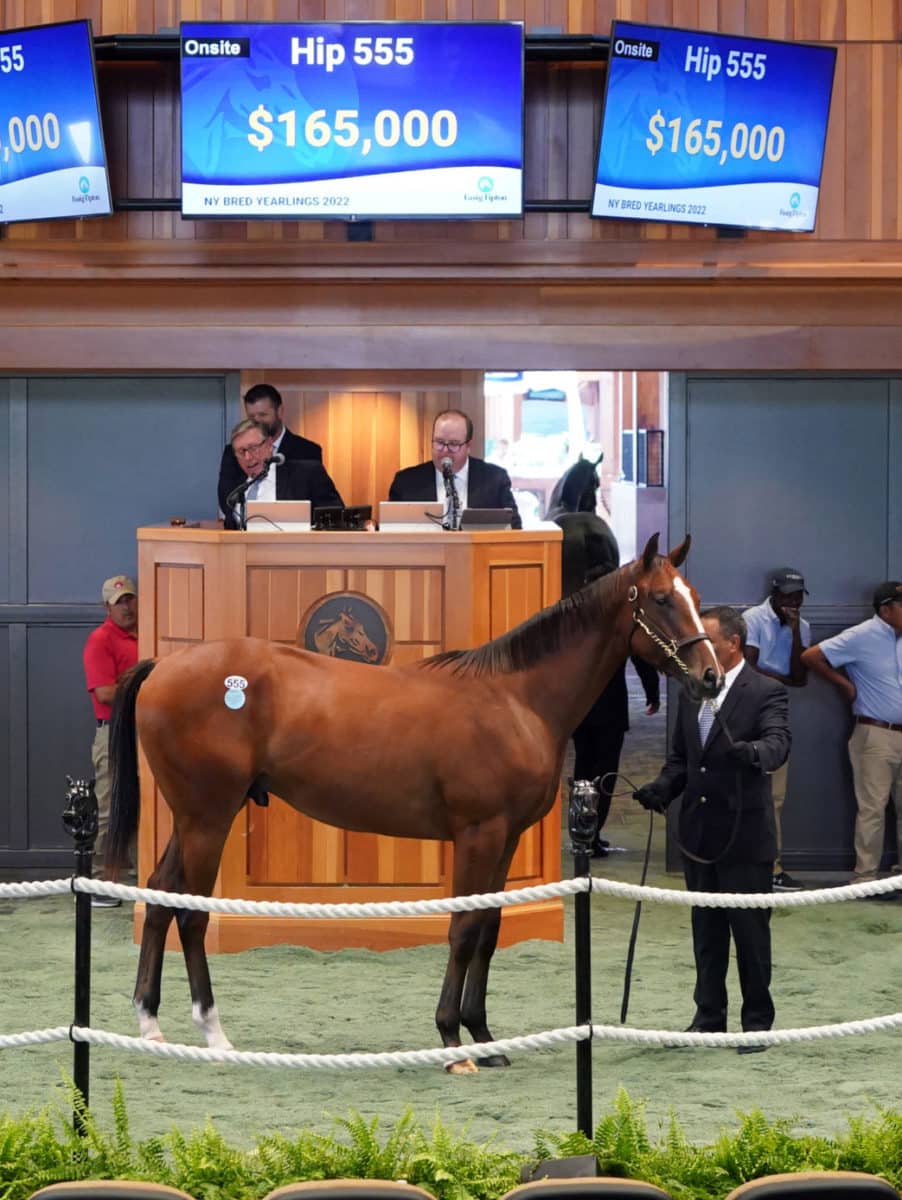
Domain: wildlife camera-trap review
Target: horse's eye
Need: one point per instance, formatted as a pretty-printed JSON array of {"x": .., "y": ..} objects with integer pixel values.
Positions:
[{"x": 662, "y": 598}]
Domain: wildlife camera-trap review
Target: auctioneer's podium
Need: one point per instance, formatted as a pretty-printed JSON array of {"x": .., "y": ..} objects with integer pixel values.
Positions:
[{"x": 439, "y": 591}]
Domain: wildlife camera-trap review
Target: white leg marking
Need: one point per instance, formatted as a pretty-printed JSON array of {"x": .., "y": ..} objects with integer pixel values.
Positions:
[
  {"x": 148, "y": 1026},
  {"x": 208, "y": 1023}
]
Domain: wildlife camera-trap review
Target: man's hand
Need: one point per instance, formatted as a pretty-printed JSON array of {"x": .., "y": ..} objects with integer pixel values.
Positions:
[
  {"x": 650, "y": 798},
  {"x": 652, "y": 708},
  {"x": 791, "y": 617},
  {"x": 743, "y": 753}
]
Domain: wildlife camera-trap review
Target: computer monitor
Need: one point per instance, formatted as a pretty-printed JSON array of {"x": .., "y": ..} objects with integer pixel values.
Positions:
[
  {"x": 289, "y": 516},
  {"x": 486, "y": 518},
  {"x": 410, "y": 516}
]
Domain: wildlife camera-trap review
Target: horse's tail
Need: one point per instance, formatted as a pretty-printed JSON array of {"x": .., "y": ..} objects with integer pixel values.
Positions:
[{"x": 124, "y": 766}]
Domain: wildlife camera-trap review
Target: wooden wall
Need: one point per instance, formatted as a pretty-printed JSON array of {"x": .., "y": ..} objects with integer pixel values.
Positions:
[{"x": 367, "y": 334}]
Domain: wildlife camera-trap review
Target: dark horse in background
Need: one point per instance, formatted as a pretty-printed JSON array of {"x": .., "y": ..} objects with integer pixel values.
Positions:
[{"x": 504, "y": 711}]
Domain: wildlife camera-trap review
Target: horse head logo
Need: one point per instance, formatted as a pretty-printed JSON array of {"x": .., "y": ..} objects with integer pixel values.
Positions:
[{"x": 347, "y": 625}]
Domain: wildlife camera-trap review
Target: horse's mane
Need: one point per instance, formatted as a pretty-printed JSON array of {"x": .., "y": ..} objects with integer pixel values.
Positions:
[{"x": 545, "y": 633}]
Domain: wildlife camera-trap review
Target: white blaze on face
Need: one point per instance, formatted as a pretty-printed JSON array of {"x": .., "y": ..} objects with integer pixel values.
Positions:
[{"x": 682, "y": 589}]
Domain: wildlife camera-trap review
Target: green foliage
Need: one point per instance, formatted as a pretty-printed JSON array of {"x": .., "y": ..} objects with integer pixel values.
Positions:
[{"x": 44, "y": 1147}]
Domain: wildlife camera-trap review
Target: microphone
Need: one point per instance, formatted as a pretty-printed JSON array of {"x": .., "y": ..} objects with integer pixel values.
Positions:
[
  {"x": 452, "y": 499},
  {"x": 275, "y": 460}
]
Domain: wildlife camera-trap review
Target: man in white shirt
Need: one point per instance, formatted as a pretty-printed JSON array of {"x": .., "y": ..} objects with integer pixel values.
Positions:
[
  {"x": 777, "y": 635},
  {"x": 865, "y": 664}
]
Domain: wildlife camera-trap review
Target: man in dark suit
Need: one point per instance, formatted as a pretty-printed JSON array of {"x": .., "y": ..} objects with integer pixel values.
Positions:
[
  {"x": 720, "y": 761},
  {"x": 263, "y": 404},
  {"x": 479, "y": 484},
  {"x": 287, "y": 481}
]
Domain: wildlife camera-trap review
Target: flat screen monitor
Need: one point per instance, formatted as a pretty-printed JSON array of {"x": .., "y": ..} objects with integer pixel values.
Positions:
[
  {"x": 52, "y": 157},
  {"x": 352, "y": 120},
  {"x": 486, "y": 518},
  {"x": 712, "y": 129},
  {"x": 288, "y": 515}
]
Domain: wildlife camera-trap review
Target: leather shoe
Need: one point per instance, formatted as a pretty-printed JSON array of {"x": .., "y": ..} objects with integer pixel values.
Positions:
[
  {"x": 702, "y": 1029},
  {"x": 751, "y": 1049}
]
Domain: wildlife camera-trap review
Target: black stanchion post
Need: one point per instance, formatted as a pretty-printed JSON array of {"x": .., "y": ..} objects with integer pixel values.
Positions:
[
  {"x": 583, "y": 815},
  {"x": 80, "y": 820}
]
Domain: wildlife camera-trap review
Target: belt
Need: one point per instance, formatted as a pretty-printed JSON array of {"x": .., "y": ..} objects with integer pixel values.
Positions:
[
  {"x": 102, "y": 721},
  {"x": 879, "y": 724}
]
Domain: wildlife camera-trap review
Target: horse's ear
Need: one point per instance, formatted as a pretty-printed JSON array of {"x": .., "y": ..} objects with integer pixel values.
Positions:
[
  {"x": 678, "y": 556},
  {"x": 650, "y": 553},
  {"x": 597, "y": 462}
]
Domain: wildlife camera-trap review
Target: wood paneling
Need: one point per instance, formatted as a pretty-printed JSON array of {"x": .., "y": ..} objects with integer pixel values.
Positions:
[{"x": 859, "y": 201}]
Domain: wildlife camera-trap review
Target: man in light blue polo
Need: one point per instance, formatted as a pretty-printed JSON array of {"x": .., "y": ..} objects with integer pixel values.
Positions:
[
  {"x": 777, "y": 635},
  {"x": 865, "y": 663}
]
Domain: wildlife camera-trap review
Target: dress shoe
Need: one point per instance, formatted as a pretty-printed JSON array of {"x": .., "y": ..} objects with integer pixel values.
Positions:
[
  {"x": 751, "y": 1049},
  {"x": 600, "y": 849},
  {"x": 693, "y": 1028}
]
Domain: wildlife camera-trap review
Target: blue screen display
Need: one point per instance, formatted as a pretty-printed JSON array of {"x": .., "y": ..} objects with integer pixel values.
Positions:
[
  {"x": 52, "y": 159},
  {"x": 353, "y": 119},
  {"x": 712, "y": 129}
]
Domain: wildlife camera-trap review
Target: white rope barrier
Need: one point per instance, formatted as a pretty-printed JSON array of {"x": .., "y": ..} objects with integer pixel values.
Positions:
[
  {"x": 452, "y": 904},
  {"x": 547, "y": 1039},
  {"x": 400, "y": 1058}
]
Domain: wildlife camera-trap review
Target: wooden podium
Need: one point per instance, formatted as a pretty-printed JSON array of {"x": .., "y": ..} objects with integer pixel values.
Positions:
[{"x": 440, "y": 591}]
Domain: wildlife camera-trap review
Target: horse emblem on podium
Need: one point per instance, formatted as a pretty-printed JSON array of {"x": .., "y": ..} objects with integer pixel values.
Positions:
[{"x": 347, "y": 625}]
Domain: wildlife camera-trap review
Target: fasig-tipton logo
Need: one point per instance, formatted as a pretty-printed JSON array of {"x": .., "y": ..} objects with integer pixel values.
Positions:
[
  {"x": 347, "y": 625},
  {"x": 85, "y": 195},
  {"x": 221, "y": 47},
  {"x": 641, "y": 48}
]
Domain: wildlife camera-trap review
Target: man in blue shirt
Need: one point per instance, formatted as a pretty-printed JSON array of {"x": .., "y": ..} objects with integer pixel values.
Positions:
[
  {"x": 777, "y": 635},
  {"x": 865, "y": 663}
]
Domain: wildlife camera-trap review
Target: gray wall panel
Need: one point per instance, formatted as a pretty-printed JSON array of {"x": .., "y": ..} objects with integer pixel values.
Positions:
[
  {"x": 5, "y": 715},
  {"x": 5, "y": 386},
  {"x": 789, "y": 471},
  {"x": 105, "y": 456}
]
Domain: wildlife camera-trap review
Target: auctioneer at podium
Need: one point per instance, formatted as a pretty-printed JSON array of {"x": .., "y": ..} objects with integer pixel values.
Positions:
[{"x": 478, "y": 484}]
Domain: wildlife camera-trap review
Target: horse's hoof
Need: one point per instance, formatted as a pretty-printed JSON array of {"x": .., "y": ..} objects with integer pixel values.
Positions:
[
  {"x": 464, "y": 1066},
  {"x": 495, "y": 1060},
  {"x": 153, "y": 1037}
]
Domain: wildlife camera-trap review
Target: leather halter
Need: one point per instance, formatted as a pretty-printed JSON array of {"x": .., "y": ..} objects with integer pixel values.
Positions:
[{"x": 668, "y": 645}]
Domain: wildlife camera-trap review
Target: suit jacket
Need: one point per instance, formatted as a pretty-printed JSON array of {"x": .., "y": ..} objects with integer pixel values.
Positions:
[
  {"x": 300, "y": 481},
  {"x": 488, "y": 486},
  {"x": 292, "y": 446},
  {"x": 716, "y": 787}
]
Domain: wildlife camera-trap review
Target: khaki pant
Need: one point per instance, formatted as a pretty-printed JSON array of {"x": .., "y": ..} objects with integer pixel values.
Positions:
[
  {"x": 876, "y": 758},
  {"x": 778, "y": 787},
  {"x": 100, "y": 757}
]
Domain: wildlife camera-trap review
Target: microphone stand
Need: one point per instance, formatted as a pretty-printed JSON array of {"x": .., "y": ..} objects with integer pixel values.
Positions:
[
  {"x": 236, "y": 500},
  {"x": 452, "y": 518}
]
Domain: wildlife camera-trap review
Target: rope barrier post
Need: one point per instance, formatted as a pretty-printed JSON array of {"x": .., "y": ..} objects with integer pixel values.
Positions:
[
  {"x": 80, "y": 820},
  {"x": 583, "y": 818}
]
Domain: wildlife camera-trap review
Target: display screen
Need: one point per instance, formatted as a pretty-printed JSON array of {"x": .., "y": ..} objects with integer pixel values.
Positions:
[
  {"x": 352, "y": 120},
  {"x": 52, "y": 159},
  {"x": 711, "y": 129}
]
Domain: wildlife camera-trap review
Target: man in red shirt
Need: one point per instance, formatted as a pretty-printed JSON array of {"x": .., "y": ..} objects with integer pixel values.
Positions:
[{"x": 110, "y": 651}]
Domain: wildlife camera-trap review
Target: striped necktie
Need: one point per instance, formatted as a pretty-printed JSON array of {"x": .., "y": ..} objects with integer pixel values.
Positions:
[{"x": 705, "y": 720}]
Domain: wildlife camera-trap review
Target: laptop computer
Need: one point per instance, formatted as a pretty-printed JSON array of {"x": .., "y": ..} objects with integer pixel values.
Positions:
[
  {"x": 410, "y": 516},
  {"x": 486, "y": 518},
  {"x": 290, "y": 516}
]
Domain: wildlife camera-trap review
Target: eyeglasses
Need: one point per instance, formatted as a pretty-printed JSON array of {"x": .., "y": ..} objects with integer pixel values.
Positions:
[
  {"x": 452, "y": 446},
  {"x": 244, "y": 451}
]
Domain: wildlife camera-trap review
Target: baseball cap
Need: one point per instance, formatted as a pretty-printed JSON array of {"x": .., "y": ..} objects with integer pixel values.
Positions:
[
  {"x": 890, "y": 589},
  {"x": 788, "y": 580},
  {"x": 119, "y": 585}
]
